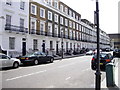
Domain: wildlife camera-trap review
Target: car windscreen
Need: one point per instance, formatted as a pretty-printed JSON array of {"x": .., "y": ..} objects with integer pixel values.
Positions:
[
  {"x": 102, "y": 55},
  {"x": 30, "y": 55}
]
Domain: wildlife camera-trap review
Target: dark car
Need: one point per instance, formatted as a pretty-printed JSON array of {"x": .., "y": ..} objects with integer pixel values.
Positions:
[
  {"x": 104, "y": 59},
  {"x": 116, "y": 53},
  {"x": 36, "y": 58}
]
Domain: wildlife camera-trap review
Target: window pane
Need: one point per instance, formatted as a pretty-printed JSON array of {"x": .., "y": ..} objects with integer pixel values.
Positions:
[
  {"x": 8, "y": 19},
  {"x": 22, "y": 5},
  {"x": 35, "y": 44},
  {"x": 11, "y": 42}
]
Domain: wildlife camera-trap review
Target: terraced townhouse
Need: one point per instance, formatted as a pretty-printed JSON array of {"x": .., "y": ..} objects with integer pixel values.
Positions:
[{"x": 44, "y": 25}]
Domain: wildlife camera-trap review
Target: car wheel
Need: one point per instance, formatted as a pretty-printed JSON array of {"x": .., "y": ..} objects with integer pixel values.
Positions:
[
  {"x": 36, "y": 62},
  {"x": 15, "y": 65},
  {"x": 93, "y": 67},
  {"x": 51, "y": 60}
]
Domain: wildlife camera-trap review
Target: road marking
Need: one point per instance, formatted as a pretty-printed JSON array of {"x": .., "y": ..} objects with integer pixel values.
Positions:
[
  {"x": 67, "y": 78},
  {"x": 65, "y": 65},
  {"x": 51, "y": 86},
  {"x": 86, "y": 70},
  {"x": 26, "y": 75}
]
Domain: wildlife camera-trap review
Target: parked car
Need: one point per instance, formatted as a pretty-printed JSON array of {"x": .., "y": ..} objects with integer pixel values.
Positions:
[
  {"x": 36, "y": 58},
  {"x": 104, "y": 59},
  {"x": 116, "y": 53},
  {"x": 6, "y": 61},
  {"x": 90, "y": 52}
]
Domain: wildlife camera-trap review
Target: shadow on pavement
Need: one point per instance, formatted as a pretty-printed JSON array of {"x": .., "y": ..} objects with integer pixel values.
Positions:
[{"x": 114, "y": 88}]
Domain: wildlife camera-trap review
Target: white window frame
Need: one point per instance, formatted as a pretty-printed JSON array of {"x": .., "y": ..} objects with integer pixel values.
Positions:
[
  {"x": 70, "y": 13},
  {"x": 35, "y": 44},
  {"x": 66, "y": 31},
  {"x": 35, "y": 12},
  {"x": 74, "y": 25},
  {"x": 49, "y": 2},
  {"x": 77, "y": 26},
  {"x": 49, "y": 15},
  {"x": 22, "y": 5},
  {"x": 77, "y": 35},
  {"x": 42, "y": 12},
  {"x": 61, "y": 7},
  {"x": 56, "y": 4},
  {"x": 74, "y": 15},
  {"x": 70, "y": 33},
  {"x": 61, "y": 20},
  {"x": 66, "y": 22},
  {"x": 50, "y": 29},
  {"x": 33, "y": 20},
  {"x": 66, "y": 10},
  {"x": 8, "y": 19},
  {"x": 56, "y": 29},
  {"x": 22, "y": 24},
  {"x": 56, "y": 17},
  {"x": 12, "y": 43},
  {"x": 73, "y": 34},
  {"x": 70, "y": 24}
]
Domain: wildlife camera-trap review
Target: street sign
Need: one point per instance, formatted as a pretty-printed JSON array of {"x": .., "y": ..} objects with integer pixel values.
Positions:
[{"x": 95, "y": 18}]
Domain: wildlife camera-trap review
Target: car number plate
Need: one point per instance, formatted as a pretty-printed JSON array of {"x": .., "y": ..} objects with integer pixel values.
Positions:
[
  {"x": 101, "y": 63},
  {"x": 22, "y": 58}
]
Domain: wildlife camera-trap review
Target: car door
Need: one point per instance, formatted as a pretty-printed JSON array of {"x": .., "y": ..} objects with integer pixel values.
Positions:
[
  {"x": 5, "y": 61},
  {"x": 1, "y": 61},
  {"x": 40, "y": 57},
  {"x": 44, "y": 57}
]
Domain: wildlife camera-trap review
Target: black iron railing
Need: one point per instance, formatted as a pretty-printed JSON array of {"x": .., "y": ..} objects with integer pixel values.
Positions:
[{"x": 15, "y": 28}]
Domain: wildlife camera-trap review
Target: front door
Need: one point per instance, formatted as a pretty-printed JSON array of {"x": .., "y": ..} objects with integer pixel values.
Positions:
[
  {"x": 56, "y": 47},
  {"x": 43, "y": 47},
  {"x": 24, "y": 48}
]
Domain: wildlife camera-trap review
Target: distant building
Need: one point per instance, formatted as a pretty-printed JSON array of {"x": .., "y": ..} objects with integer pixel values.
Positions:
[{"x": 116, "y": 39}]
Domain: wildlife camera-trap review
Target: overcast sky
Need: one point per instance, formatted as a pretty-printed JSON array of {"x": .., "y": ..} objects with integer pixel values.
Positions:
[{"x": 108, "y": 12}]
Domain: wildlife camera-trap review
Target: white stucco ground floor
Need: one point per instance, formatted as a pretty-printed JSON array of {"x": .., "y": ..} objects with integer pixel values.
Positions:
[{"x": 16, "y": 44}]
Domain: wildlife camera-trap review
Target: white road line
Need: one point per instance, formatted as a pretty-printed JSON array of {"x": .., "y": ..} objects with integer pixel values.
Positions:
[
  {"x": 86, "y": 69},
  {"x": 65, "y": 65},
  {"x": 26, "y": 75},
  {"x": 51, "y": 86},
  {"x": 67, "y": 78}
]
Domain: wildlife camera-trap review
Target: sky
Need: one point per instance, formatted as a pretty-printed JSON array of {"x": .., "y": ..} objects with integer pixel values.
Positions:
[{"x": 108, "y": 12}]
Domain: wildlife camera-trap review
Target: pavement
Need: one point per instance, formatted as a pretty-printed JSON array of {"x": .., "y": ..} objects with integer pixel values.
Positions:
[{"x": 116, "y": 75}]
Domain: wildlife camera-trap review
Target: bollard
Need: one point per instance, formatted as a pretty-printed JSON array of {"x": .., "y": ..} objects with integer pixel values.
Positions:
[{"x": 110, "y": 75}]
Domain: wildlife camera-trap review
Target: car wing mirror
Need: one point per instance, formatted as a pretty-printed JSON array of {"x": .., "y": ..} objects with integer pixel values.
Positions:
[{"x": 9, "y": 57}]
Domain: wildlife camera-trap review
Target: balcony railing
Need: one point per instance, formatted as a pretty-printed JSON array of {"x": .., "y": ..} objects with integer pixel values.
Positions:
[{"x": 16, "y": 28}]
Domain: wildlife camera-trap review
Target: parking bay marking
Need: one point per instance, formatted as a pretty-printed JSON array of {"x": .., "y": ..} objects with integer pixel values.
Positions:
[
  {"x": 26, "y": 75},
  {"x": 67, "y": 78}
]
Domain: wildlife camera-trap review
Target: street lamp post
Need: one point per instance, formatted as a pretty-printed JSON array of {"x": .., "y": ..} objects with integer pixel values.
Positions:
[
  {"x": 98, "y": 74},
  {"x": 62, "y": 42}
]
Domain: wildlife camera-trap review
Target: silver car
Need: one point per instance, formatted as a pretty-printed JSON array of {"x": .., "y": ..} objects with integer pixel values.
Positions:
[{"x": 6, "y": 61}]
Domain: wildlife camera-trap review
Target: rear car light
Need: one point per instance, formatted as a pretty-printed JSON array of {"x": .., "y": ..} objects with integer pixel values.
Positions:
[
  {"x": 93, "y": 59},
  {"x": 27, "y": 58},
  {"x": 107, "y": 60}
]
